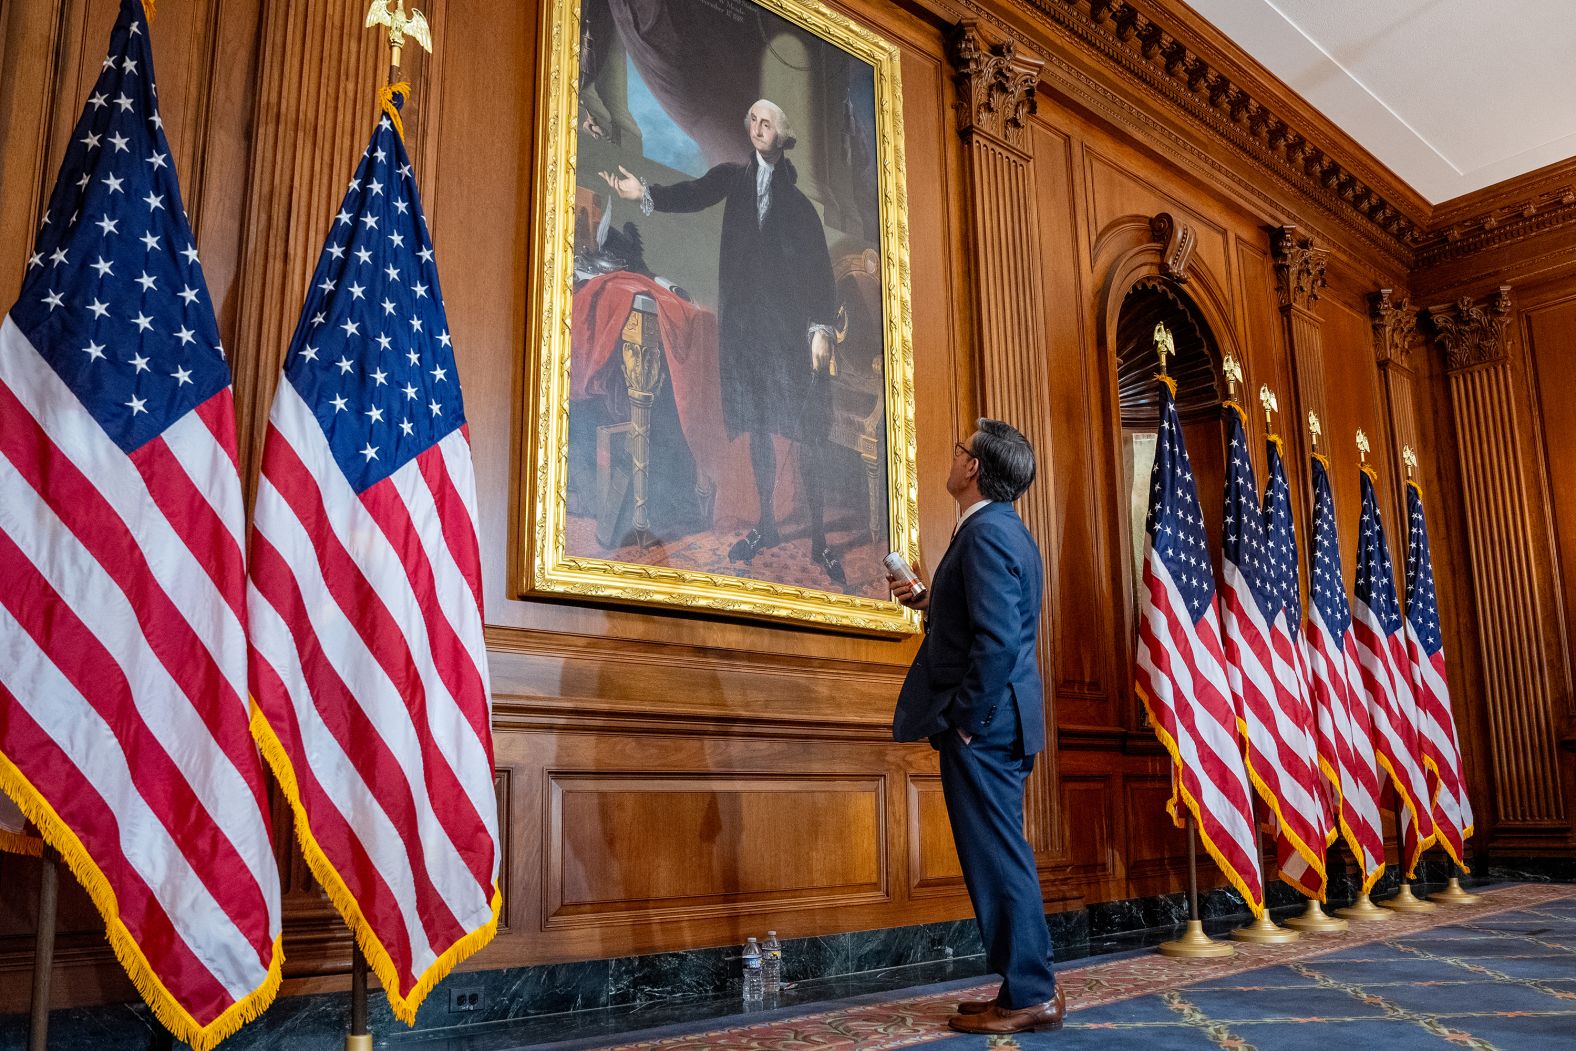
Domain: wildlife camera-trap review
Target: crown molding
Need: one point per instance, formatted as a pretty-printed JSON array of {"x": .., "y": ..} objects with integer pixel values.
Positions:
[{"x": 1183, "y": 66}]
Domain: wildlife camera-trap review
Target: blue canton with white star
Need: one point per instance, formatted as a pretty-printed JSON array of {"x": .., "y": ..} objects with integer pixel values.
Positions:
[
  {"x": 371, "y": 355},
  {"x": 1326, "y": 588},
  {"x": 1176, "y": 523},
  {"x": 1422, "y": 602},
  {"x": 113, "y": 297},
  {"x": 1242, "y": 527},
  {"x": 1280, "y": 543},
  {"x": 1375, "y": 575}
]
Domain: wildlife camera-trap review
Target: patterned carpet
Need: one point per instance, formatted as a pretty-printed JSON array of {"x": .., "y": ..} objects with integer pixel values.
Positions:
[{"x": 1496, "y": 976}]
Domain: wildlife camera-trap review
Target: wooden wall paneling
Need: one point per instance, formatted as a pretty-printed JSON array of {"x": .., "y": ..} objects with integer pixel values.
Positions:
[
  {"x": 995, "y": 85},
  {"x": 1092, "y": 827},
  {"x": 1353, "y": 399},
  {"x": 1395, "y": 335},
  {"x": 1156, "y": 850},
  {"x": 933, "y": 863},
  {"x": 1086, "y": 679},
  {"x": 1490, "y": 407},
  {"x": 38, "y": 58},
  {"x": 1551, "y": 333},
  {"x": 683, "y": 844}
]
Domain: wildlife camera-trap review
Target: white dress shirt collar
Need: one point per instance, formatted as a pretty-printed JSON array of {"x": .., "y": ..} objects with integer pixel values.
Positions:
[{"x": 971, "y": 509}]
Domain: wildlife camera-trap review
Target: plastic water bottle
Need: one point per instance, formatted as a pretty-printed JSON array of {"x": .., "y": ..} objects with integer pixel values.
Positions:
[
  {"x": 753, "y": 988},
  {"x": 772, "y": 963}
]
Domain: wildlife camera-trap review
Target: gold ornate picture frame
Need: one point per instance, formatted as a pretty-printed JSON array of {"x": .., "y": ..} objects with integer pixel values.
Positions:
[{"x": 695, "y": 342}]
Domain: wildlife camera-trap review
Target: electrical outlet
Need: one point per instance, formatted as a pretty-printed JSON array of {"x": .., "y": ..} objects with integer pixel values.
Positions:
[{"x": 463, "y": 998}]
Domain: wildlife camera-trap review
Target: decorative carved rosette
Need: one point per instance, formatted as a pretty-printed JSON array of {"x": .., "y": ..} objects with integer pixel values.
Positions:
[
  {"x": 995, "y": 82},
  {"x": 1473, "y": 334},
  {"x": 1395, "y": 327},
  {"x": 1299, "y": 268}
]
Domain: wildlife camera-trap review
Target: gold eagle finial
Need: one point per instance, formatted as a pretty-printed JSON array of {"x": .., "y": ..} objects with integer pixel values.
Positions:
[{"x": 391, "y": 13}]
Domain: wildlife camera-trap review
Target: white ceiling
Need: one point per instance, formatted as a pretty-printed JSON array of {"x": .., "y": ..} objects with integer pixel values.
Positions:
[{"x": 1452, "y": 95}]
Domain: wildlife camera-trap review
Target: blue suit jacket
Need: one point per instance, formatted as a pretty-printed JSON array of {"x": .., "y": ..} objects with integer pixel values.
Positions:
[{"x": 978, "y": 658}]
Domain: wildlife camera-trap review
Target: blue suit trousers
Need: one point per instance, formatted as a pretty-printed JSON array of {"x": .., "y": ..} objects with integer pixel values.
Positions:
[{"x": 983, "y": 784}]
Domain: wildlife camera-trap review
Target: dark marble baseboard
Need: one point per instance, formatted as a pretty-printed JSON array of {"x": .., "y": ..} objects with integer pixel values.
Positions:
[{"x": 557, "y": 1001}]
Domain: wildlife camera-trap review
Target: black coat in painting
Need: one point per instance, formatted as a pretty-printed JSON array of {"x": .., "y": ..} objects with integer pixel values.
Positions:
[{"x": 774, "y": 280}]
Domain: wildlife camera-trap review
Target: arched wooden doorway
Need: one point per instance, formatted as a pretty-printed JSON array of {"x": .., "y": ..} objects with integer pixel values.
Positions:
[{"x": 1153, "y": 300}]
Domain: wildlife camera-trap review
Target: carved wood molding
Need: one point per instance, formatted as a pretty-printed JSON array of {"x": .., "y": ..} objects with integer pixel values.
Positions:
[
  {"x": 1154, "y": 51},
  {"x": 1473, "y": 334},
  {"x": 1395, "y": 327},
  {"x": 1299, "y": 268},
  {"x": 995, "y": 81},
  {"x": 1180, "y": 240}
]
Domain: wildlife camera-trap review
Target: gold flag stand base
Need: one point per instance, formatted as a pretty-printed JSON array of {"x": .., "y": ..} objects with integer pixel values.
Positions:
[
  {"x": 1196, "y": 945},
  {"x": 1316, "y": 921},
  {"x": 358, "y": 1042},
  {"x": 1453, "y": 894},
  {"x": 1363, "y": 910},
  {"x": 1406, "y": 901},
  {"x": 1264, "y": 931}
]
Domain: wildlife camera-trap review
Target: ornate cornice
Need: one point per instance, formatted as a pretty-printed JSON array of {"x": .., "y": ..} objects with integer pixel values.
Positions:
[
  {"x": 1174, "y": 70},
  {"x": 1299, "y": 268},
  {"x": 1176, "y": 59},
  {"x": 996, "y": 82},
  {"x": 1180, "y": 239},
  {"x": 1395, "y": 327},
  {"x": 1456, "y": 236},
  {"x": 1472, "y": 334}
]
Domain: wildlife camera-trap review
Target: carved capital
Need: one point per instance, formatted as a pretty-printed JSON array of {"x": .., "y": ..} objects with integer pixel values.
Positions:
[
  {"x": 1473, "y": 334},
  {"x": 995, "y": 82},
  {"x": 1180, "y": 239},
  {"x": 1395, "y": 326},
  {"x": 1299, "y": 267}
]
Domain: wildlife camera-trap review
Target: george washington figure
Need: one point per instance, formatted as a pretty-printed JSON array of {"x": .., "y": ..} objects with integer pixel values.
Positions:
[{"x": 777, "y": 304}]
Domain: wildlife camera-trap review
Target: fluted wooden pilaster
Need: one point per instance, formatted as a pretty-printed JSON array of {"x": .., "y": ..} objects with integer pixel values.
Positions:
[
  {"x": 1487, "y": 403},
  {"x": 996, "y": 83},
  {"x": 1395, "y": 336},
  {"x": 1299, "y": 277},
  {"x": 320, "y": 69}
]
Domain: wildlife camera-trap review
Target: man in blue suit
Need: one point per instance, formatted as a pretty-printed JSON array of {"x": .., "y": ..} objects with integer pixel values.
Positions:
[{"x": 974, "y": 691}]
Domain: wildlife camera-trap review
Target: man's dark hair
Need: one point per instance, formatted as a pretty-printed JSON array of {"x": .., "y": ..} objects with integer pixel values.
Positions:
[{"x": 1006, "y": 460}]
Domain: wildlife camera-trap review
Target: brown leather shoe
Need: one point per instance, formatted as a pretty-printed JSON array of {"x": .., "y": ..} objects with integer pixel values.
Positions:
[
  {"x": 998, "y": 1019},
  {"x": 975, "y": 1007}
]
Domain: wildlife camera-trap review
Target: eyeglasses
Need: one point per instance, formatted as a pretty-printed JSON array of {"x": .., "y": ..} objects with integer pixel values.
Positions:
[{"x": 965, "y": 450}]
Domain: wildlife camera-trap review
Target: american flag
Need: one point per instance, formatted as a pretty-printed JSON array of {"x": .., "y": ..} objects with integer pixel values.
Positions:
[
  {"x": 1179, "y": 668},
  {"x": 1261, "y": 669},
  {"x": 368, "y": 667},
  {"x": 1282, "y": 562},
  {"x": 1346, "y": 733},
  {"x": 1384, "y": 679},
  {"x": 123, "y": 704},
  {"x": 1425, "y": 648}
]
